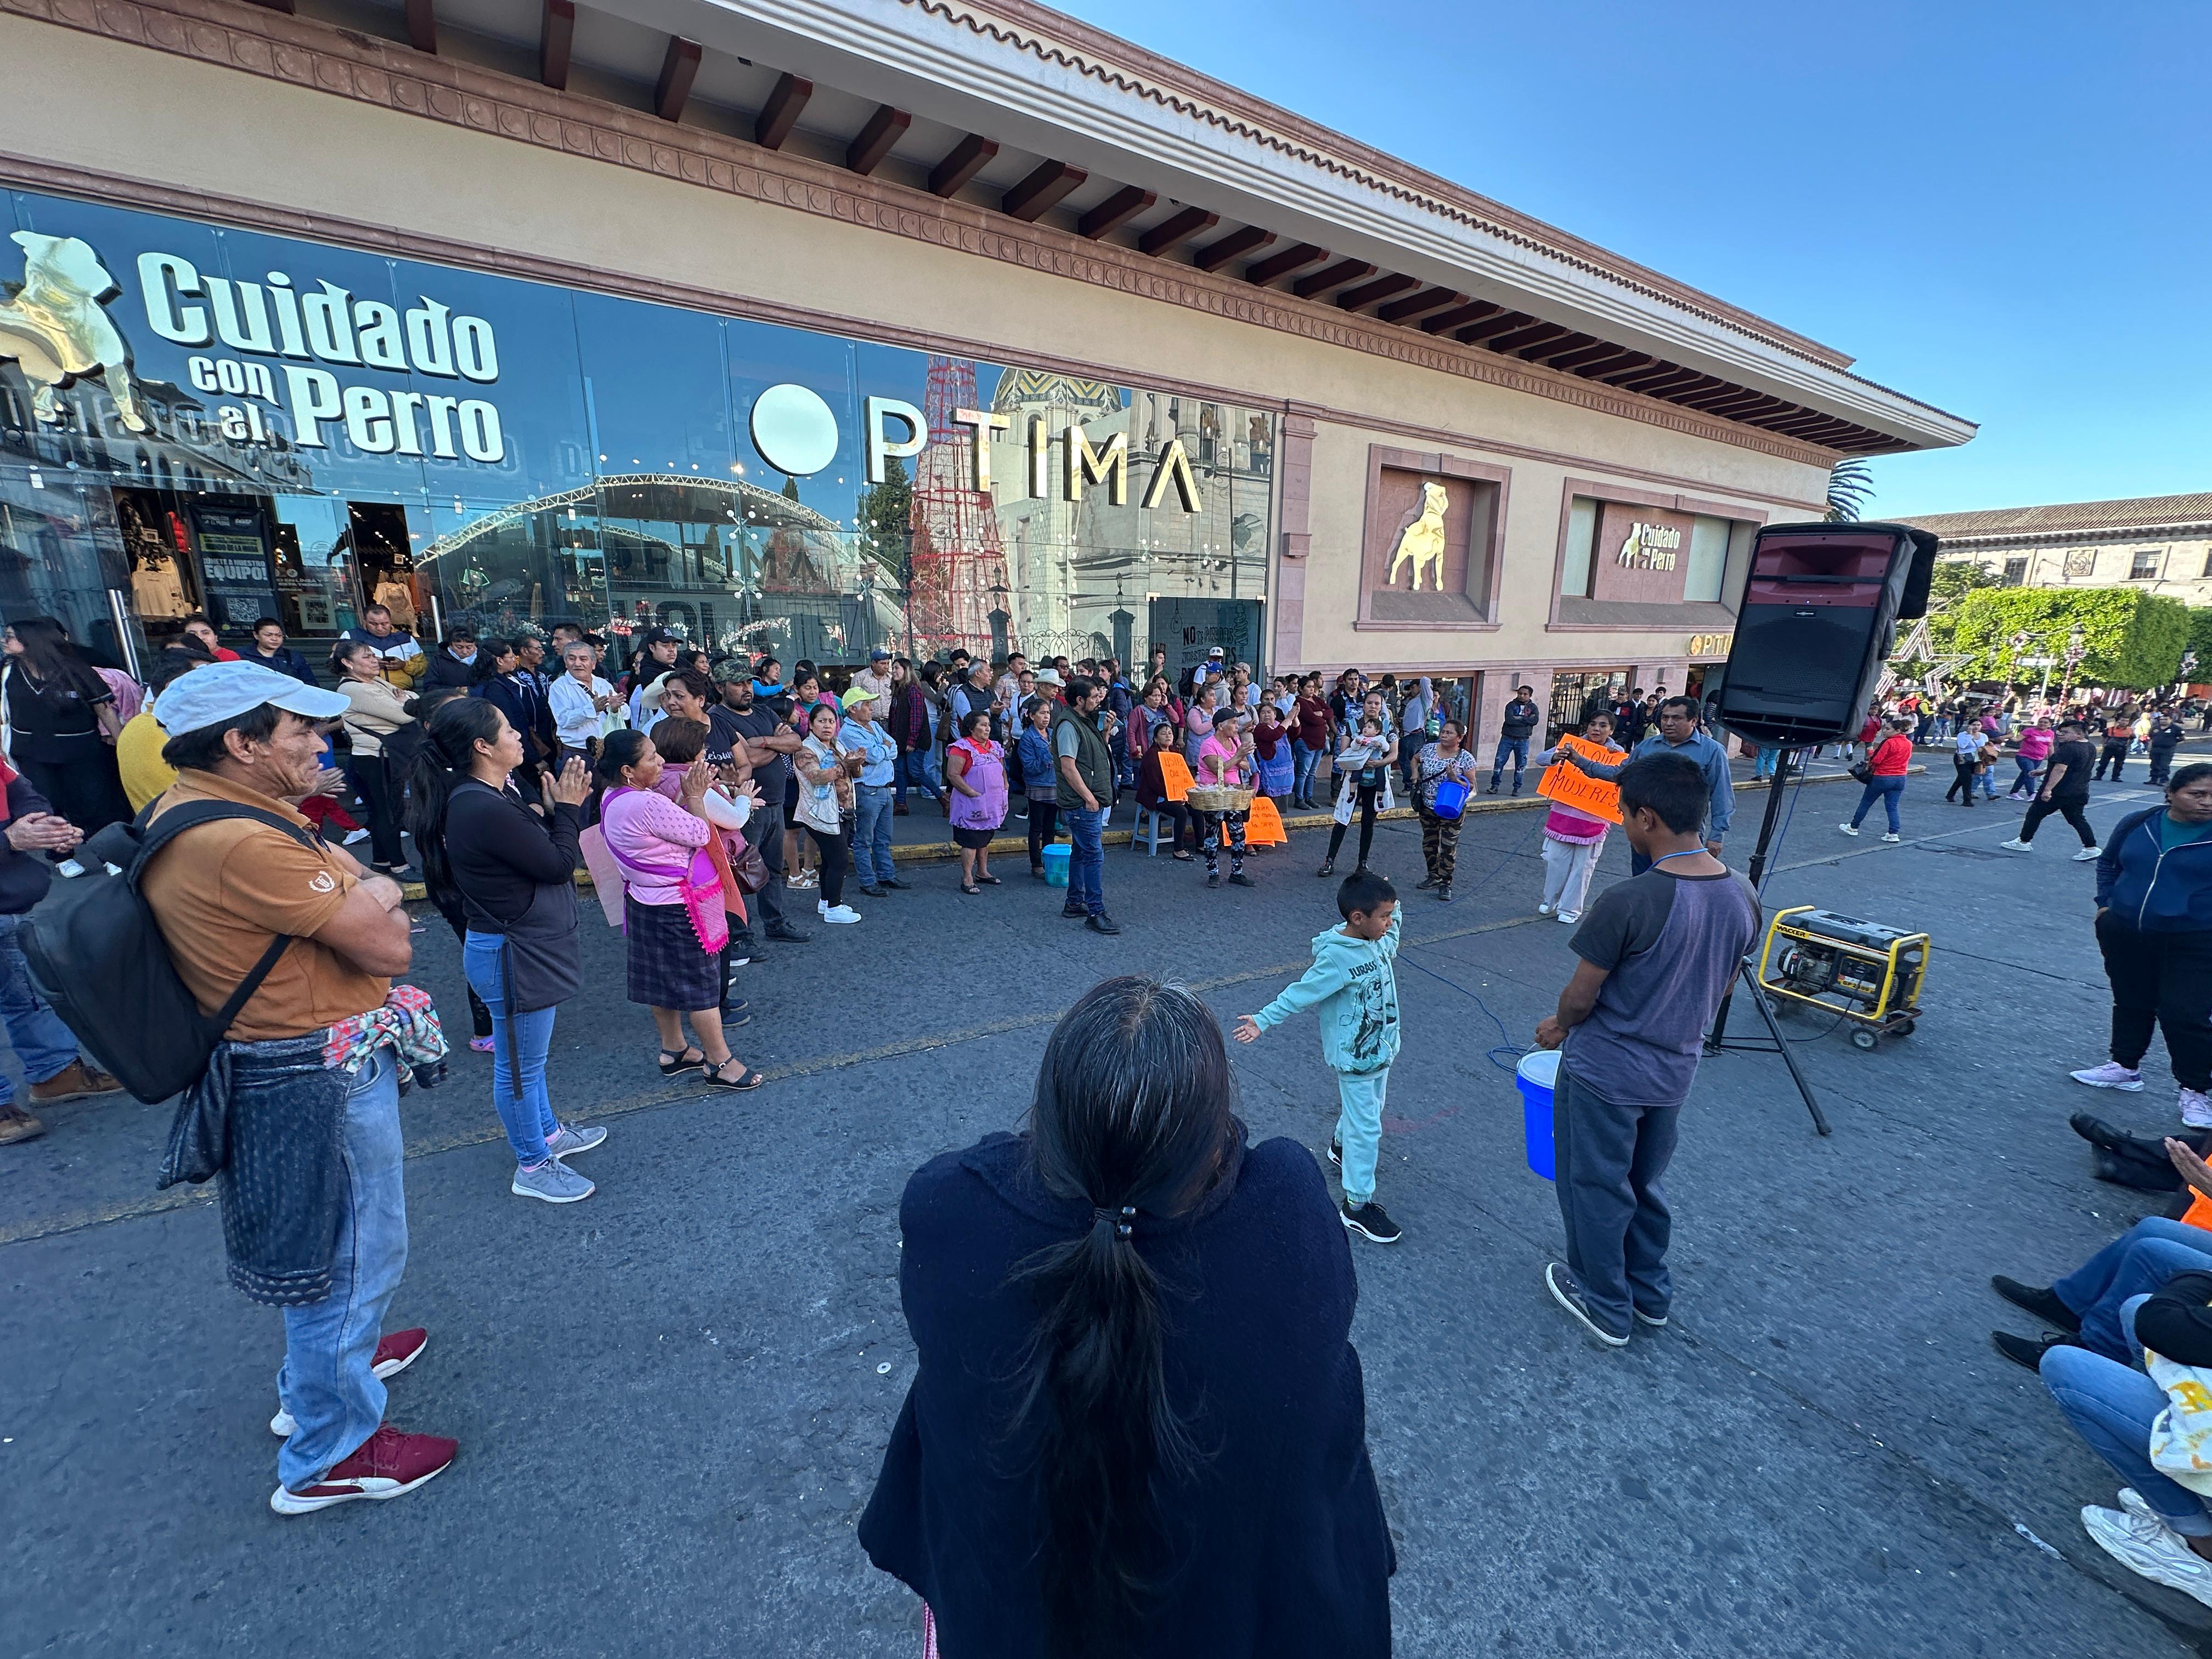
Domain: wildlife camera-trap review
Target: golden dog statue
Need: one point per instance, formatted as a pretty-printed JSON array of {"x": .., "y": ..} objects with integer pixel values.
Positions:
[
  {"x": 1421, "y": 540},
  {"x": 54, "y": 328}
]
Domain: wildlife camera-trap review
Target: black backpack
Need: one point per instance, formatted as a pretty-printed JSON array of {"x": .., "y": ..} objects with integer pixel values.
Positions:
[{"x": 97, "y": 954}]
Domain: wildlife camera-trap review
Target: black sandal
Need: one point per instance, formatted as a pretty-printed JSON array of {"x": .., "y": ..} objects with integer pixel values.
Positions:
[
  {"x": 676, "y": 1064},
  {"x": 987, "y": 881},
  {"x": 746, "y": 1079},
  {"x": 971, "y": 890}
]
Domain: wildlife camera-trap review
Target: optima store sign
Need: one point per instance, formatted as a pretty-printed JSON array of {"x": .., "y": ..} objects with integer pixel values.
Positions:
[{"x": 299, "y": 329}]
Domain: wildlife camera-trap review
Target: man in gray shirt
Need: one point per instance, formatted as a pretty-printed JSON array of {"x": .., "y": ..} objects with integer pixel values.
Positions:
[
  {"x": 1678, "y": 734},
  {"x": 1658, "y": 951}
]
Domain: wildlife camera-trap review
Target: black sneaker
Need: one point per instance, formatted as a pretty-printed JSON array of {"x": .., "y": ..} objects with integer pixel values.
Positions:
[
  {"x": 1568, "y": 1295},
  {"x": 1074, "y": 912},
  {"x": 1425, "y": 884},
  {"x": 2040, "y": 1301},
  {"x": 1240, "y": 879},
  {"x": 2029, "y": 1351},
  {"x": 1213, "y": 878},
  {"x": 895, "y": 885},
  {"x": 1102, "y": 923},
  {"x": 1336, "y": 1153},
  {"x": 787, "y": 934},
  {"x": 1371, "y": 1221},
  {"x": 1443, "y": 894},
  {"x": 873, "y": 892}
]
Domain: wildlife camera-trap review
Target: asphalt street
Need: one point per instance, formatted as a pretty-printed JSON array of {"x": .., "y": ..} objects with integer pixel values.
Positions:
[{"x": 671, "y": 1399}]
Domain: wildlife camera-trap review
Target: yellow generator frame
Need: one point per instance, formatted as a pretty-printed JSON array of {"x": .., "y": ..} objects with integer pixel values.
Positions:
[{"x": 1869, "y": 974}]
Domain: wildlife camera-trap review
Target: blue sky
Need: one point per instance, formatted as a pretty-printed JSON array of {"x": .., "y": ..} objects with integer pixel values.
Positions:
[{"x": 2005, "y": 210}]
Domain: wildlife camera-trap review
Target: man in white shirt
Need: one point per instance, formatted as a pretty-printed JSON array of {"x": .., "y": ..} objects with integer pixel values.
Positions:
[
  {"x": 579, "y": 701},
  {"x": 876, "y": 680}
]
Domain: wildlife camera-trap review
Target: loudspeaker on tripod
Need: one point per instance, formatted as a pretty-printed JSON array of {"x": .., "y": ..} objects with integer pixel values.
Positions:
[{"x": 1816, "y": 622}]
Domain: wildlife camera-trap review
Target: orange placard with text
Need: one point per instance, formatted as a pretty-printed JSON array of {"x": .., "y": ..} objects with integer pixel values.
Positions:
[
  {"x": 1264, "y": 827},
  {"x": 1564, "y": 784},
  {"x": 1175, "y": 774}
]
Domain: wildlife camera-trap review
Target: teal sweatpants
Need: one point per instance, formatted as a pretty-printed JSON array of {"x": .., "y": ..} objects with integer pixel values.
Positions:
[{"x": 1359, "y": 1129}]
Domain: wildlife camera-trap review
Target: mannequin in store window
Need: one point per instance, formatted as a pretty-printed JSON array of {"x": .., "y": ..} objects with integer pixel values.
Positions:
[{"x": 61, "y": 725}]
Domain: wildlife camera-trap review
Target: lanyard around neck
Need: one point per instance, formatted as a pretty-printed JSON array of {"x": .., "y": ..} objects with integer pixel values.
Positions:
[{"x": 1688, "y": 852}]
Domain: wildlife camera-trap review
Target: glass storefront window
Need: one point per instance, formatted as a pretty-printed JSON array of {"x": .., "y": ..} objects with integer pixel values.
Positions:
[{"x": 255, "y": 425}]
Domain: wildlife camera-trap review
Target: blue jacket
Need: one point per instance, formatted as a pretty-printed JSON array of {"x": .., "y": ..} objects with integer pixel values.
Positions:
[
  {"x": 1286, "y": 1552},
  {"x": 1355, "y": 984},
  {"x": 1039, "y": 771},
  {"x": 2152, "y": 890}
]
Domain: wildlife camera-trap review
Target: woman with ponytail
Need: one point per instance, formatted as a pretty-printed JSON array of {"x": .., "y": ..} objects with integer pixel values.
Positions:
[
  {"x": 1136, "y": 1429},
  {"x": 511, "y": 872}
]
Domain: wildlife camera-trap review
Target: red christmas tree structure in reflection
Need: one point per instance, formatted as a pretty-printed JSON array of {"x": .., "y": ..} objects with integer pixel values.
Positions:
[{"x": 959, "y": 571}]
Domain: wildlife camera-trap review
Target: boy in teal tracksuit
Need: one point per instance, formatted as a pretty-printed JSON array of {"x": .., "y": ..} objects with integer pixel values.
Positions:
[{"x": 1355, "y": 987}]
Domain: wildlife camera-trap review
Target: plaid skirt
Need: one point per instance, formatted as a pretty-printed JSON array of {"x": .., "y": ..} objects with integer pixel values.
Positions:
[{"x": 667, "y": 967}]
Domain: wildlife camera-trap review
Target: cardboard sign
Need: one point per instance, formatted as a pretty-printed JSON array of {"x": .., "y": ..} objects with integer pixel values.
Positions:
[
  {"x": 1175, "y": 774},
  {"x": 1565, "y": 784},
  {"x": 1265, "y": 826}
]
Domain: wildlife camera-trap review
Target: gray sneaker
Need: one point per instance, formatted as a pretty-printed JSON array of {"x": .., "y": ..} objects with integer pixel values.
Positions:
[
  {"x": 571, "y": 1139},
  {"x": 552, "y": 1181}
]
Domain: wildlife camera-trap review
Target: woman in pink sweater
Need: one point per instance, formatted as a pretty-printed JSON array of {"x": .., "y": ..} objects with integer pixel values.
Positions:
[
  {"x": 670, "y": 969},
  {"x": 2034, "y": 749},
  {"x": 1573, "y": 839}
]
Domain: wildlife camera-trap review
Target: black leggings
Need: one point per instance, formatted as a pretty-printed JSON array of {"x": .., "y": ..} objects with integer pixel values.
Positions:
[
  {"x": 832, "y": 848},
  {"x": 2162, "y": 981},
  {"x": 1962, "y": 777},
  {"x": 2070, "y": 811},
  {"x": 1368, "y": 794},
  {"x": 1044, "y": 823},
  {"x": 380, "y": 793}
]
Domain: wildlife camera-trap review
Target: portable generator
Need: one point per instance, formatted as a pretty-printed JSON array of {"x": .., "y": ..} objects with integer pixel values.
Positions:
[{"x": 1869, "y": 973}]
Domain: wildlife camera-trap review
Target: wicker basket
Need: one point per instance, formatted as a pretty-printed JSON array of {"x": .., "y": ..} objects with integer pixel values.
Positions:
[{"x": 1205, "y": 798}]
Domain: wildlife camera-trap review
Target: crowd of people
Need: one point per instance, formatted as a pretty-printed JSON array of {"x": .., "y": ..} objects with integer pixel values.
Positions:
[{"x": 701, "y": 795}]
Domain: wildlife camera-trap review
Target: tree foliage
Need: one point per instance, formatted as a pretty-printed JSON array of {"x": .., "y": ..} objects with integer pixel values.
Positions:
[
  {"x": 1848, "y": 487},
  {"x": 887, "y": 519},
  {"x": 2130, "y": 638},
  {"x": 1956, "y": 578},
  {"x": 2200, "y": 635}
]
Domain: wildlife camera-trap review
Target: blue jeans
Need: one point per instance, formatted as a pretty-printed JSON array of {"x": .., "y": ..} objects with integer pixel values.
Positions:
[
  {"x": 41, "y": 1041},
  {"x": 2111, "y": 1407},
  {"x": 2025, "y": 783},
  {"x": 1887, "y": 791},
  {"x": 1303, "y": 780},
  {"x": 872, "y": 834},
  {"x": 1764, "y": 766},
  {"x": 326, "y": 1382},
  {"x": 2136, "y": 1263},
  {"x": 526, "y": 1113},
  {"x": 1086, "y": 860},
  {"x": 1518, "y": 748},
  {"x": 1359, "y": 1129},
  {"x": 913, "y": 772}
]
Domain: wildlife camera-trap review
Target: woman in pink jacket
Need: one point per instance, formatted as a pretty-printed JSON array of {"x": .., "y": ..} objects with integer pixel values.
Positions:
[
  {"x": 671, "y": 971},
  {"x": 2034, "y": 749}
]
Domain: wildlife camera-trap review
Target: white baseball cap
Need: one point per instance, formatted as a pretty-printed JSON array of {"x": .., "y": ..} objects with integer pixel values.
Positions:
[{"x": 223, "y": 691}]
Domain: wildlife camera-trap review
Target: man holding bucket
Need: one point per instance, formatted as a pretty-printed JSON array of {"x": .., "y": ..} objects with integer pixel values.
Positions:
[{"x": 1658, "y": 951}]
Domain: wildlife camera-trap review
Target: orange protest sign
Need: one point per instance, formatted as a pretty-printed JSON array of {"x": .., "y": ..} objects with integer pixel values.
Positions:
[
  {"x": 1265, "y": 826},
  {"x": 1175, "y": 774},
  {"x": 1564, "y": 783}
]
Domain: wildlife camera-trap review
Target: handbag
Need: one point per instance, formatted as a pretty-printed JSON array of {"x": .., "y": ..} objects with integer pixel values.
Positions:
[
  {"x": 1862, "y": 771},
  {"x": 749, "y": 869}
]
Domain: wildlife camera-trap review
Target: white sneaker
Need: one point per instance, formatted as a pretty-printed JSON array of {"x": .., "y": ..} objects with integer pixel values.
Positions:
[
  {"x": 2196, "y": 1110},
  {"x": 358, "y": 835},
  {"x": 1571, "y": 916},
  {"x": 838, "y": 915},
  {"x": 1891, "y": 836},
  {"x": 2151, "y": 1548},
  {"x": 2088, "y": 853},
  {"x": 2017, "y": 845},
  {"x": 1543, "y": 909},
  {"x": 2112, "y": 1075},
  {"x": 1849, "y": 829}
]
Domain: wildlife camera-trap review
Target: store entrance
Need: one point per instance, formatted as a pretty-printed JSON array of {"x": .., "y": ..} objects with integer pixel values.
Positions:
[
  {"x": 1571, "y": 693},
  {"x": 384, "y": 555}
]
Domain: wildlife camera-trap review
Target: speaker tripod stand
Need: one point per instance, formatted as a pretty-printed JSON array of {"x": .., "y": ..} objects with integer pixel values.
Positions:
[{"x": 1717, "y": 1040}]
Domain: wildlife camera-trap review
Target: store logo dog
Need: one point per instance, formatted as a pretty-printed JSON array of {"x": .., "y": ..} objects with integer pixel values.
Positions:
[
  {"x": 1421, "y": 540},
  {"x": 54, "y": 328}
]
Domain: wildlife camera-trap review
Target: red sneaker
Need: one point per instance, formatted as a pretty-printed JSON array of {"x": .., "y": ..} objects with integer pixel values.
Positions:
[
  {"x": 399, "y": 1350},
  {"x": 383, "y": 1465},
  {"x": 393, "y": 1355}
]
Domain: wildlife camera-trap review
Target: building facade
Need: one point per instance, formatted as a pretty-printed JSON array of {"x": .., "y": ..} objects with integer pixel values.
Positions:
[
  {"x": 2162, "y": 543},
  {"x": 911, "y": 325}
]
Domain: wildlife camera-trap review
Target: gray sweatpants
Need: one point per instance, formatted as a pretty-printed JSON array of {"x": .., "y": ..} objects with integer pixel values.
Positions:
[{"x": 1608, "y": 1159}]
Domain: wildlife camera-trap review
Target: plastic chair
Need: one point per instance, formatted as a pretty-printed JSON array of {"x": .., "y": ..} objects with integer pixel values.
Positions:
[{"x": 1148, "y": 838}]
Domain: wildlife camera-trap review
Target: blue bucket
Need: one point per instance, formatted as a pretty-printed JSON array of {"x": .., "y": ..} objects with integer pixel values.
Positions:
[
  {"x": 1055, "y": 863},
  {"x": 1536, "y": 1077}
]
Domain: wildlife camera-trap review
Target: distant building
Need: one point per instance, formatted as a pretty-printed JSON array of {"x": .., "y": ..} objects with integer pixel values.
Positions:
[{"x": 2162, "y": 543}]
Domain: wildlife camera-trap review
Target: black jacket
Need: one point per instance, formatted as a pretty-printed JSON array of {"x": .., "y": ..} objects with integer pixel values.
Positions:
[
  {"x": 24, "y": 876},
  {"x": 1520, "y": 718},
  {"x": 449, "y": 671},
  {"x": 2176, "y": 1321},
  {"x": 286, "y": 661},
  {"x": 527, "y": 708},
  {"x": 1286, "y": 1554}
]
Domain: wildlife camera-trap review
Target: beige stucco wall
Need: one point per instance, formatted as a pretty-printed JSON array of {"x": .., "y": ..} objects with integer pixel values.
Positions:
[{"x": 86, "y": 101}]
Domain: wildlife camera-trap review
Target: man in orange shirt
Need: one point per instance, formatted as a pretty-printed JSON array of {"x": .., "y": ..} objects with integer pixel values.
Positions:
[{"x": 2119, "y": 732}]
